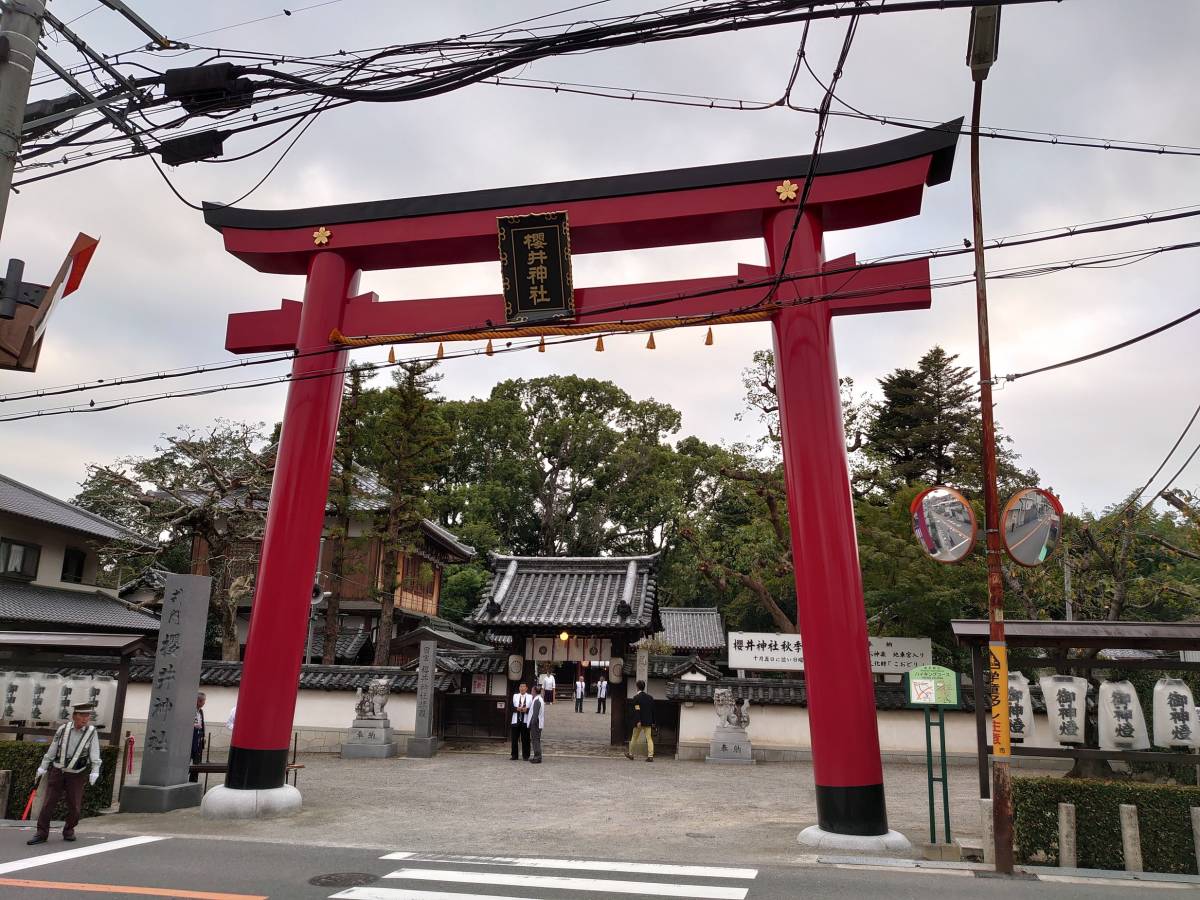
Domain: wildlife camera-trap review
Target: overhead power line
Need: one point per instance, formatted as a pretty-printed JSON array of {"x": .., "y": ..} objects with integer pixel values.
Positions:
[
  {"x": 435, "y": 67},
  {"x": 1121, "y": 346},
  {"x": 951, "y": 281},
  {"x": 1136, "y": 220}
]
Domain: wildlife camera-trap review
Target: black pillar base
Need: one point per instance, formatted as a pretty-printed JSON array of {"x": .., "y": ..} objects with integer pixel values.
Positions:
[
  {"x": 256, "y": 770},
  {"x": 852, "y": 810}
]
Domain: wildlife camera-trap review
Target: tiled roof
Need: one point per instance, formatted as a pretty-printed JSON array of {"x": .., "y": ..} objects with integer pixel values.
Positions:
[
  {"x": 672, "y": 666},
  {"x": 692, "y": 628},
  {"x": 588, "y": 594},
  {"x": 151, "y": 578},
  {"x": 95, "y": 610},
  {"x": 320, "y": 678},
  {"x": 350, "y": 641},
  {"x": 444, "y": 638},
  {"x": 470, "y": 662},
  {"x": 29, "y": 503}
]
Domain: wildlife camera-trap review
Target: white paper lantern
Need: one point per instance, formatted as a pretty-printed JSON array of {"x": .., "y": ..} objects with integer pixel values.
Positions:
[
  {"x": 18, "y": 697},
  {"x": 1066, "y": 707},
  {"x": 74, "y": 692},
  {"x": 1175, "y": 720},
  {"x": 1122, "y": 725},
  {"x": 1020, "y": 708},
  {"x": 102, "y": 691},
  {"x": 47, "y": 698}
]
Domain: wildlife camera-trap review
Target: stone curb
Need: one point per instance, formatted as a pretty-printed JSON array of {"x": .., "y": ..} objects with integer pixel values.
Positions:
[{"x": 1046, "y": 873}]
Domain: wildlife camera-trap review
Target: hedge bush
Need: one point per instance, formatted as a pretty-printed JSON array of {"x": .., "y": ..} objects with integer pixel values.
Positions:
[
  {"x": 22, "y": 758},
  {"x": 1164, "y": 821}
]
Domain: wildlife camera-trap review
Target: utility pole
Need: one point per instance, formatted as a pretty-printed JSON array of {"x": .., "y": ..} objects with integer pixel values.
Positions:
[
  {"x": 1069, "y": 603},
  {"x": 981, "y": 53},
  {"x": 20, "y": 29}
]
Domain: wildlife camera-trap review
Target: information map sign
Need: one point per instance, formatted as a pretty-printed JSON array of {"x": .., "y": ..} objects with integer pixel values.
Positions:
[
  {"x": 783, "y": 652},
  {"x": 535, "y": 262},
  {"x": 932, "y": 686}
]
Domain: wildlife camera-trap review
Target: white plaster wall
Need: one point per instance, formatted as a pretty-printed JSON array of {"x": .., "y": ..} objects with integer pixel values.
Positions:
[
  {"x": 53, "y": 542},
  {"x": 787, "y": 727},
  {"x": 315, "y": 710}
]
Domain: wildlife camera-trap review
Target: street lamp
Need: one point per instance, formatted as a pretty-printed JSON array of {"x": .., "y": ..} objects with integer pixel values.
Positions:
[{"x": 982, "y": 48}]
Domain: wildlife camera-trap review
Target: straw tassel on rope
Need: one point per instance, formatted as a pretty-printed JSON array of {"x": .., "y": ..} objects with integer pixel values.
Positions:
[
  {"x": 650, "y": 345},
  {"x": 391, "y": 356},
  {"x": 600, "y": 344},
  {"x": 708, "y": 338}
]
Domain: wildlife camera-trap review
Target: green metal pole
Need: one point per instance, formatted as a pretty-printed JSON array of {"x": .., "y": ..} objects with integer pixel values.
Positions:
[
  {"x": 929, "y": 778},
  {"x": 945, "y": 780}
]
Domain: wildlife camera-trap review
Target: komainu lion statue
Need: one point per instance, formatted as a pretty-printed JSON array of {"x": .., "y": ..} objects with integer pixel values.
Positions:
[
  {"x": 734, "y": 713},
  {"x": 372, "y": 704}
]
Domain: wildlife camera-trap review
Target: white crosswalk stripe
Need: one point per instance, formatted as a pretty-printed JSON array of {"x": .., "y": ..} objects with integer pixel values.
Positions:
[
  {"x": 564, "y": 883},
  {"x": 585, "y": 865},
  {"x": 495, "y": 873}
]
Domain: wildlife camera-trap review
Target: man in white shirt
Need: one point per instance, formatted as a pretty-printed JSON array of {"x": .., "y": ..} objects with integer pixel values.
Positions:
[
  {"x": 521, "y": 702},
  {"x": 580, "y": 690},
  {"x": 537, "y": 721},
  {"x": 75, "y": 747},
  {"x": 550, "y": 685},
  {"x": 602, "y": 695}
]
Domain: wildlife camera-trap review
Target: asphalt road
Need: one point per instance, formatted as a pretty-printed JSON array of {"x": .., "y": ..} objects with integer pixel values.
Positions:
[{"x": 236, "y": 869}]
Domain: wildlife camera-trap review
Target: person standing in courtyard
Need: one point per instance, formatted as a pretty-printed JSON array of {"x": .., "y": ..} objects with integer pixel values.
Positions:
[
  {"x": 602, "y": 695},
  {"x": 643, "y": 722},
  {"x": 580, "y": 690},
  {"x": 551, "y": 684},
  {"x": 198, "y": 735},
  {"x": 520, "y": 721},
  {"x": 75, "y": 748},
  {"x": 537, "y": 721}
]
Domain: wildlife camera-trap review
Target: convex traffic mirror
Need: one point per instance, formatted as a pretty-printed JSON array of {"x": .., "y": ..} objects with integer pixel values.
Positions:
[
  {"x": 944, "y": 524},
  {"x": 1031, "y": 525}
]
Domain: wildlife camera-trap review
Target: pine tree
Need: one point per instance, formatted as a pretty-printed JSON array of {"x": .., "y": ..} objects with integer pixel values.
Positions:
[{"x": 406, "y": 443}]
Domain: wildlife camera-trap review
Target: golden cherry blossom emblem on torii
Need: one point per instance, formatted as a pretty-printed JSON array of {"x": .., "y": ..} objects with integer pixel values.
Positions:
[
  {"x": 321, "y": 236},
  {"x": 786, "y": 191}
]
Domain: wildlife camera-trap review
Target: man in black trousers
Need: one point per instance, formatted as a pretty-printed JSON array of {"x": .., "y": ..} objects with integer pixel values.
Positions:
[
  {"x": 521, "y": 702},
  {"x": 537, "y": 721}
]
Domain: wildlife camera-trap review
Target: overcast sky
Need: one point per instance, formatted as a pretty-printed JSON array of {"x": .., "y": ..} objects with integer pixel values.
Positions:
[{"x": 160, "y": 287}]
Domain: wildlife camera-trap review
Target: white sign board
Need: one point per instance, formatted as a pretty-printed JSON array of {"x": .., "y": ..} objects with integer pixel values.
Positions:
[{"x": 783, "y": 652}]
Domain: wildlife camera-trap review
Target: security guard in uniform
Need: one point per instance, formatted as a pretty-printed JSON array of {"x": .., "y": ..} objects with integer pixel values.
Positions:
[{"x": 75, "y": 748}]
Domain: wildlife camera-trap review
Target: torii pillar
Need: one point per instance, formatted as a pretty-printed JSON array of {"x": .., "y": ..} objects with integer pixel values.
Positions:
[{"x": 852, "y": 188}]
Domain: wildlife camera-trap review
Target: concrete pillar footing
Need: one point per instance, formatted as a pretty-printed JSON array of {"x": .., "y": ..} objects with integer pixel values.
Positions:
[
  {"x": 227, "y": 803},
  {"x": 891, "y": 843}
]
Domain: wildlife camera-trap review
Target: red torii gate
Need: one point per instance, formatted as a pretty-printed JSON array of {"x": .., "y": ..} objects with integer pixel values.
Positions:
[{"x": 331, "y": 245}]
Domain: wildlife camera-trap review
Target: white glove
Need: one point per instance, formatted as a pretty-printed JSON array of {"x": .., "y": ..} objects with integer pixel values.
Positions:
[
  {"x": 93, "y": 778},
  {"x": 40, "y": 772}
]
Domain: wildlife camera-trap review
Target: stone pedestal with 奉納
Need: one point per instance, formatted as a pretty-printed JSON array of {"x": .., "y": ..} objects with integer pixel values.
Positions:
[
  {"x": 730, "y": 742},
  {"x": 730, "y": 745},
  {"x": 370, "y": 739}
]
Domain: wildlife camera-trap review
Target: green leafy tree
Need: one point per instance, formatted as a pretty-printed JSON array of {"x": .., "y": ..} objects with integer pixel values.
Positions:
[
  {"x": 405, "y": 443},
  {"x": 200, "y": 485},
  {"x": 343, "y": 492},
  {"x": 560, "y": 465}
]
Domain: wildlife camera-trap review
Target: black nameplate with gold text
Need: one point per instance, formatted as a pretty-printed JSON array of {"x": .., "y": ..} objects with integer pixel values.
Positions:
[{"x": 535, "y": 262}]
